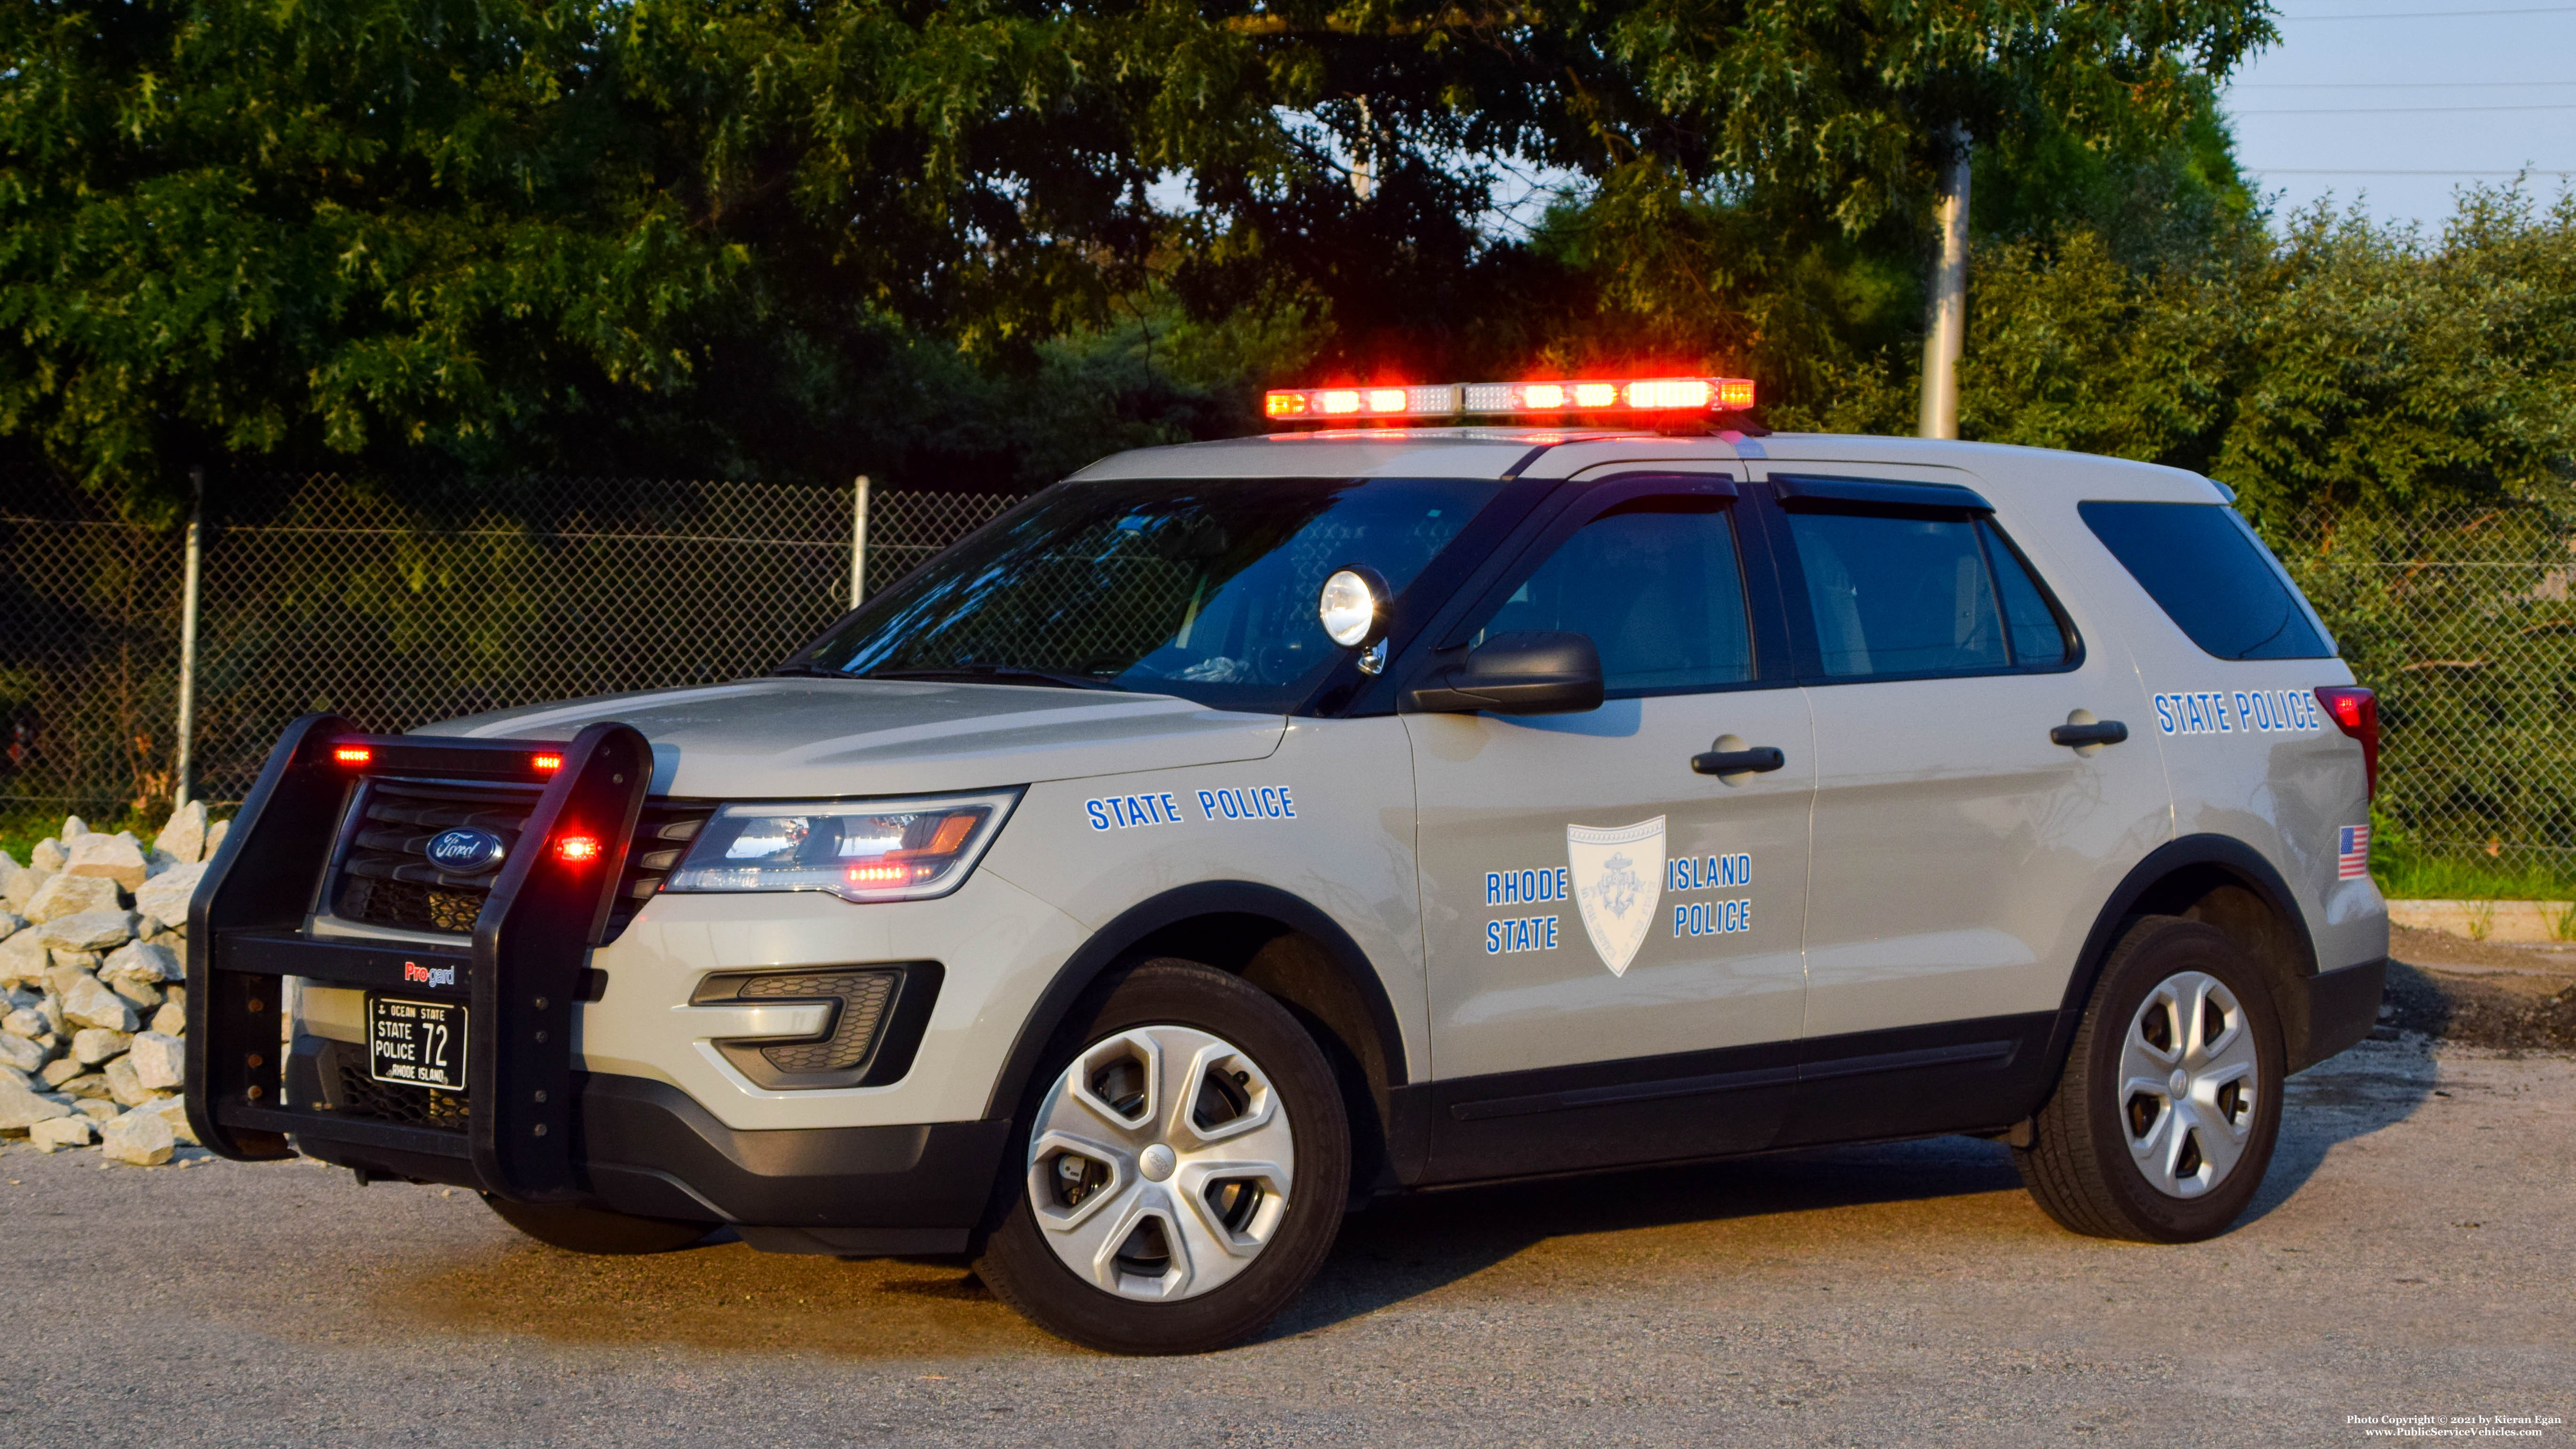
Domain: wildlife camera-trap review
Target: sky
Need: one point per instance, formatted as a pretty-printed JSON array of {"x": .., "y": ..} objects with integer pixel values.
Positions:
[{"x": 2397, "y": 103}]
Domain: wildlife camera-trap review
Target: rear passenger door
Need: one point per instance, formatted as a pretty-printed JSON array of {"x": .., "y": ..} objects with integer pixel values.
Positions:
[{"x": 1959, "y": 851}]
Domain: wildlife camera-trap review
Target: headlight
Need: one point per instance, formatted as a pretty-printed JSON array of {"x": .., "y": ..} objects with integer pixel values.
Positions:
[{"x": 859, "y": 850}]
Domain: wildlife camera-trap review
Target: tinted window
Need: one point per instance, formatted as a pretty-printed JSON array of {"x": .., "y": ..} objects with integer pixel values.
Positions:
[
  {"x": 2208, "y": 571},
  {"x": 1657, "y": 587},
  {"x": 1911, "y": 596},
  {"x": 1898, "y": 595},
  {"x": 2037, "y": 637}
]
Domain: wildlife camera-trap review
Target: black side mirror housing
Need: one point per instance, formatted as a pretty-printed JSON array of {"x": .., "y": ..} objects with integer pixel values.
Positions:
[{"x": 1540, "y": 672}]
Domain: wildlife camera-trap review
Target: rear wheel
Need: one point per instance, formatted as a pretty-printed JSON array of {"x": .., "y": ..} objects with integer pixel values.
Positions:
[
  {"x": 579, "y": 1229},
  {"x": 1183, "y": 1173},
  {"x": 2163, "y": 1122}
]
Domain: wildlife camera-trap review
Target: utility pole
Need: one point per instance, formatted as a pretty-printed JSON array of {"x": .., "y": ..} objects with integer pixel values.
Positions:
[
  {"x": 1946, "y": 338},
  {"x": 186, "y": 784},
  {"x": 1364, "y": 162}
]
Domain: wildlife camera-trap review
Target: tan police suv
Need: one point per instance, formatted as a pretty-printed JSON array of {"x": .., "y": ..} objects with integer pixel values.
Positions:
[{"x": 1232, "y": 833}]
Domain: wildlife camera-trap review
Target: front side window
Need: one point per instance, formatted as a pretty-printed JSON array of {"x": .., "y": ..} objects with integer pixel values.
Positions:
[
  {"x": 1203, "y": 589},
  {"x": 1909, "y": 596},
  {"x": 1657, "y": 586},
  {"x": 2204, "y": 567}
]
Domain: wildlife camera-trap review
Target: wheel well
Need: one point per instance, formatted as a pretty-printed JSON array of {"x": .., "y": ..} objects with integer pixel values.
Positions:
[
  {"x": 2248, "y": 913},
  {"x": 1302, "y": 974}
]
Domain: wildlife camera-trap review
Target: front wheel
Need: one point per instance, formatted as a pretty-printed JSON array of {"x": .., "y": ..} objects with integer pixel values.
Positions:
[
  {"x": 2163, "y": 1122},
  {"x": 1183, "y": 1173}
]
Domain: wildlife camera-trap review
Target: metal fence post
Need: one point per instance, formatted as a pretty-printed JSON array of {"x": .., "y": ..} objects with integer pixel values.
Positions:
[
  {"x": 186, "y": 783},
  {"x": 859, "y": 541}
]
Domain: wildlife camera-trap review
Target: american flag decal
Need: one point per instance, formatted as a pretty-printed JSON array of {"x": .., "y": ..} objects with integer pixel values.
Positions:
[{"x": 2352, "y": 852}]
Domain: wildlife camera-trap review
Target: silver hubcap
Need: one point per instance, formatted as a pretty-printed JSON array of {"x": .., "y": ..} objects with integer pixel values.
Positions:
[
  {"x": 2188, "y": 1086},
  {"x": 1162, "y": 1163}
]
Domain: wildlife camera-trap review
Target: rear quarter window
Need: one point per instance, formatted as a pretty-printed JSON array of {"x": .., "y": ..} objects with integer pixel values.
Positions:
[{"x": 2203, "y": 565}]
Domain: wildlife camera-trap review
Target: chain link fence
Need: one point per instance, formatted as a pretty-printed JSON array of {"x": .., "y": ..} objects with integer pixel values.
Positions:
[
  {"x": 395, "y": 608},
  {"x": 89, "y": 649},
  {"x": 2464, "y": 623},
  {"x": 326, "y": 592}
]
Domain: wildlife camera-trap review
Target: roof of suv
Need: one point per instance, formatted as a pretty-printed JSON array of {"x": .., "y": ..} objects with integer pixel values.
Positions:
[{"x": 1542, "y": 452}]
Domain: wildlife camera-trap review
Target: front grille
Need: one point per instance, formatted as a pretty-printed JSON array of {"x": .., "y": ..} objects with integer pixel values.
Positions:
[
  {"x": 414, "y": 907},
  {"x": 863, "y": 996},
  {"x": 347, "y": 1091},
  {"x": 386, "y": 877}
]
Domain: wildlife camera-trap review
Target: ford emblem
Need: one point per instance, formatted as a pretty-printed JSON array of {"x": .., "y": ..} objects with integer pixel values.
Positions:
[{"x": 465, "y": 851}]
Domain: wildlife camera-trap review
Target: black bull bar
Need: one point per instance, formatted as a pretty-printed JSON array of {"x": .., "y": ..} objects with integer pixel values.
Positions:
[{"x": 531, "y": 946}]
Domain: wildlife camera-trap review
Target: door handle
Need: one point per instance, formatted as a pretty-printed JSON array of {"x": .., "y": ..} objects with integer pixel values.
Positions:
[
  {"x": 2099, "y": 732},
  {"x": 1759, "y": 759}
]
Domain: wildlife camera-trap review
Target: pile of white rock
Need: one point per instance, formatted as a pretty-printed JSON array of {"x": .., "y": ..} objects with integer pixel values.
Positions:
[{"x": 93, "y": 1009}]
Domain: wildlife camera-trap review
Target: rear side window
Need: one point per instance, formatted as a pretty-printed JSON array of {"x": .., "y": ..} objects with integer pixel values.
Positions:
[
  {"x": 1912, "y": 596},
  {"x": 2207, "y": 570}
]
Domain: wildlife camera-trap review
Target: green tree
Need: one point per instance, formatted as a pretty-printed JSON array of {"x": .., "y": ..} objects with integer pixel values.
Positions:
[
  {"x": 540, "y": 233},
  {"x": 757, "y": 237}
]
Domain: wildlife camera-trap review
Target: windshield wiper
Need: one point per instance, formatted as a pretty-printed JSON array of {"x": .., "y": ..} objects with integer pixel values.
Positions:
[
  {"x": 813, "y": 671},
  {"x": 999, "y": 673}
]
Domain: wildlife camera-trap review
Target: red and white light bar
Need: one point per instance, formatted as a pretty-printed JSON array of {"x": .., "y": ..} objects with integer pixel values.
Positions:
[{"x": 1658, "y": 395}]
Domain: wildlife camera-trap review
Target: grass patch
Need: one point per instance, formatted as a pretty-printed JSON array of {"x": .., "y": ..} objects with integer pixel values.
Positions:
[{"x": 2439, "y": 879}]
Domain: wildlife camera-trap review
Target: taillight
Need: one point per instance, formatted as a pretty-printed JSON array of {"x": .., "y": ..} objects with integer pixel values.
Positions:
[{"x": 2355, "y": 711}]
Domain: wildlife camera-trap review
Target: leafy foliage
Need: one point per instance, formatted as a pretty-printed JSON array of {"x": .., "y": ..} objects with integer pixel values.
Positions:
[{"x": 766, "y": 238}]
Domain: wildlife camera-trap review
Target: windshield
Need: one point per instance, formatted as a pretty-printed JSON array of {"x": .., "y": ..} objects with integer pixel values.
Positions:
[{"x": 1201, "y": 589}]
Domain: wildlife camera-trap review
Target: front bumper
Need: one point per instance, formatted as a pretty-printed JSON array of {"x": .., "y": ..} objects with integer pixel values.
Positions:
[
  {"x": 647, "y": 1148},
  {"x": 530, "y": 1126}
]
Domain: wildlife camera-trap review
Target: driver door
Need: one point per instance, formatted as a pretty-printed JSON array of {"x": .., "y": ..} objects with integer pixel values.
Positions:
[{"x": 1612, "y": 939}]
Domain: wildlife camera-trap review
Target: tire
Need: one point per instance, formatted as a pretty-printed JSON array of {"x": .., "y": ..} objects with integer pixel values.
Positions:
[
  {"x": 579, "y": 1229},
  {"x": 1132, "y": 1226},
  {"x": 2118, "y": 1152}
]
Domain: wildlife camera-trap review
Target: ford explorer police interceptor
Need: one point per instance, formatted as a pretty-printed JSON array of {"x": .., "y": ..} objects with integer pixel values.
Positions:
[{"x": 1234, "y": 832}]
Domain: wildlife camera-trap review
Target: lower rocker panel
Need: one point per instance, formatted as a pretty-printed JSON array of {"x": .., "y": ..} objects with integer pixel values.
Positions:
[{"x": 1863, "y": 1086}]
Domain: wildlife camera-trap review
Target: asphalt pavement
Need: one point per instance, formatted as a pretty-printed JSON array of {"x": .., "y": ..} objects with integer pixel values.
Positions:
[{"x": 2410, "y": 1255}]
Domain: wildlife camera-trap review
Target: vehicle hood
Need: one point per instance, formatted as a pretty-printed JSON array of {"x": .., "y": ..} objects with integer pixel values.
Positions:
[{"x": 791, "y": 737}]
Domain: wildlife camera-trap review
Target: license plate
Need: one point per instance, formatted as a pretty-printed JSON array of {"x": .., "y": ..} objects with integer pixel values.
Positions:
[{"x": 416, "y": 1043}]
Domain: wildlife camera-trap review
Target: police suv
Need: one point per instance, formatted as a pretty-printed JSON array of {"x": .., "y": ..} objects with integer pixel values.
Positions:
[{"x": 1234, "y": 832}]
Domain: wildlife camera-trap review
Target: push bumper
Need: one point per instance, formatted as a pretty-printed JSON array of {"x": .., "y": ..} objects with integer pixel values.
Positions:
[
  {"x": 530, "y": 1126},
  {"x": 2341, "y": 1007}
]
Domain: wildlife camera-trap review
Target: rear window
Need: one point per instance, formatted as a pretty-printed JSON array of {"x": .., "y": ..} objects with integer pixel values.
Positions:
[{"x": 2212, "y": 576}]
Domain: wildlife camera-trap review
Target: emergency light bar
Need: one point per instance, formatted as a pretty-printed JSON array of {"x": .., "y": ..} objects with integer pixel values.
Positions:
[{"x": 1661, "y": 395}]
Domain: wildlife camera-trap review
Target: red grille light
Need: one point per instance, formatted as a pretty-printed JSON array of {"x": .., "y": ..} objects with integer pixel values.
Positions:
[
  {"x": 577, "y": 849},
  {"x": 545, "y": 764},
  {"x": 2355, "y": 711},
  {"x": 1649, "y": 395},
  {"x": 351, "y": 754}
]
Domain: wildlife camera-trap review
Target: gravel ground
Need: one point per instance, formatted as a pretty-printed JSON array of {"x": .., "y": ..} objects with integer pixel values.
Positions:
[
  {"x": 2482, "y": 993},
  {"x": 2410, "y": 1254}
]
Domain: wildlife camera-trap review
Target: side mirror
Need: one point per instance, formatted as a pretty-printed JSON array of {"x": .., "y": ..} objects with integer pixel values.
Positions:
[{"x": 1548, "y": 672}]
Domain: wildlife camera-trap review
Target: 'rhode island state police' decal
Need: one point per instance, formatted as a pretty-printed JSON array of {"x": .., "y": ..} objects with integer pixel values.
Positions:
[{"x": 1618, "y": 880}]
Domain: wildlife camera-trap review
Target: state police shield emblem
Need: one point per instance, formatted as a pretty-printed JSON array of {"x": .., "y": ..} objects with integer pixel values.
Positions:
[{"x": 1618, "y": 880}]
